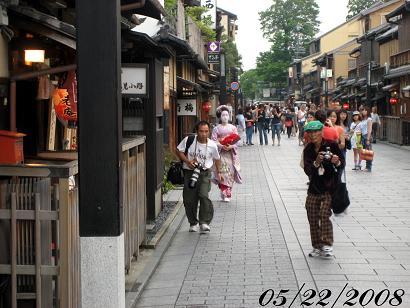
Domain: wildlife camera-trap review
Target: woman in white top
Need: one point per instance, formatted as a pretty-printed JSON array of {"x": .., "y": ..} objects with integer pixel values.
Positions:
[
  {"x": 356, "y": 139},
  {"x": 301, "y": 115},
  {"x": 366, "y": 130}
]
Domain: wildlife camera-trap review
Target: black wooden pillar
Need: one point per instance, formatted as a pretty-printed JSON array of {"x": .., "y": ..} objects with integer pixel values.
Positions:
[{"x": 99, "y": 97}]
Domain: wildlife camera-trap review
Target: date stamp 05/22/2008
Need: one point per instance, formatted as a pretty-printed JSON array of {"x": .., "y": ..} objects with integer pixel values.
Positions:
[{"x": 347, "y": 297}]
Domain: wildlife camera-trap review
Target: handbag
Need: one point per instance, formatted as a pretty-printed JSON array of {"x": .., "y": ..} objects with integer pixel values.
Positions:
[
  {"x": 348, "y": 144},
  {"x": 175, "y": 172},
  {"x": 340, "y": 197},
  {"x": 366, "y": 154}
]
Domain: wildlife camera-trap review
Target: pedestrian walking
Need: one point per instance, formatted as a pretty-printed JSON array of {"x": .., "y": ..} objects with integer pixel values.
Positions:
[
  {"x": 276, "y": 124},
  {"x": 289, "y": 122},
  {"x": 356, "y": 139},
  {"x": 331, "y": 123},
  {"x": 255, "y": 118},
  {"x": 323, "y": 162},
  {"x": 261, "y": 116},
  {"x": 249, "y": 121},
  {"x": 301, "y": 118},
  {"x": 230, "y": 164},
  {"x": 201, "y": 156},
  {"x": 241, "y": 127},
  {"x": 375, "y": 123},
  {"x": 366, "y": 130}
]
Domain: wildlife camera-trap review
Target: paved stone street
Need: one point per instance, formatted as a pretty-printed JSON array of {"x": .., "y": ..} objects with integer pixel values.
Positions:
[{"x": 260, "y": 240}]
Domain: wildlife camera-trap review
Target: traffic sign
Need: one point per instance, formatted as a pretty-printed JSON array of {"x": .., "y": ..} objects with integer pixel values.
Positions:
[
  {"x": 214, "y": 58},
  {"x": 235, "y": 86},
  {"x": 214, "y": 46}
]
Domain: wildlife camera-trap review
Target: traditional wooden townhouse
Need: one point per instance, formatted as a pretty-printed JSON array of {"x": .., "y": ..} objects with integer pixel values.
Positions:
[
  {"x": 323, "y": 76},
  {"x": 42, "y": 212}
]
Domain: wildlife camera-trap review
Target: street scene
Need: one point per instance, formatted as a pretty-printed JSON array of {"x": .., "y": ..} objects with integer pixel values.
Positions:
[{"x": 204, "y": 153}]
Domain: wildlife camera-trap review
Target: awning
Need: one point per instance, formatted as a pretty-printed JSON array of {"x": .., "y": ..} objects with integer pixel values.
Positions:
[
  {"x": 390, "y": 87},
  {"x": 205, "y": 84},
  {"x": 350, "y": 82},
  {"x": 145, "y": 42},
  {"x": 360, "y": 82},
  {"x": 406, "y": 88},
  {"x": 308, "y": 87},
  {"x": 34, "y": 21},
  {"x": 182, "y": 47},
  {"x": 398, "y": 72},
  {"x": 379, "y": 96},
  {"x": 338, "y": 96},
  {"x": 151, "y": 8},
  {"x": 188, "y": 83},
  {"x": 360, "y": 94}
]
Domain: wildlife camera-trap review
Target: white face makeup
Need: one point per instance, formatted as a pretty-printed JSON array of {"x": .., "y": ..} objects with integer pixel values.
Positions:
[{"x": 225, "y": 117}]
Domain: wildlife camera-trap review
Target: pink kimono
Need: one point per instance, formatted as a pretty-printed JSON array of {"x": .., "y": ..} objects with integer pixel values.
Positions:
[{"x": 230, "y": 165}]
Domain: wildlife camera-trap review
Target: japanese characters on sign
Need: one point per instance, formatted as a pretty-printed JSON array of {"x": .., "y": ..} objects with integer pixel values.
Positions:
[
  {"x": 214, "y": 58},
  {"x": 134, "y": 80},
  {"x": 186, "y": 107},
  {"x": 211, "y": 6}
]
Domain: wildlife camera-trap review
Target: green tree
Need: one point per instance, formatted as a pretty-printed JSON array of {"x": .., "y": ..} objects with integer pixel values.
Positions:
[
  {"x": 249, "y": 81},
  {"x": 356, "y": 6},
  {"x": 232, "y": 57},
  {"x": 290, "y": 24}
]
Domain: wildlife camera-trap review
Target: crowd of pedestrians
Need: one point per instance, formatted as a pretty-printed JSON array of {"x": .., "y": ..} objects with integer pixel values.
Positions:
[{"x": 327, "y": 136}]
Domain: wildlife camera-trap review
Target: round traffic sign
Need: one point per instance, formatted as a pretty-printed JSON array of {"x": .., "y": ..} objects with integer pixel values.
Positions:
[{"x": 235, "y": 86}]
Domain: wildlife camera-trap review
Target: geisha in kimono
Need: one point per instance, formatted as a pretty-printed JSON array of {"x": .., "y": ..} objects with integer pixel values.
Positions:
[{"x": 230, "y": 165}]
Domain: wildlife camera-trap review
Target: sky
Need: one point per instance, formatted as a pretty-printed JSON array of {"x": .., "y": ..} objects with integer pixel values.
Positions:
[{"x": 250, "y": 40}]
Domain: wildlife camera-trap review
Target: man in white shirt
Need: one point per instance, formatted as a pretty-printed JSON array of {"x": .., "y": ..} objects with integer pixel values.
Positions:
[{"x": 203, "y": 152}]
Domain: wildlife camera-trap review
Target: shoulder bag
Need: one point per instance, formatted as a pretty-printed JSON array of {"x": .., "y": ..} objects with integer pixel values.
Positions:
[{"x": 176, "y": 172}]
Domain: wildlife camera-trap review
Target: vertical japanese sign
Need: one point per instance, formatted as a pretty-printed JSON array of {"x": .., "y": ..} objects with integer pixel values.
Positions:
[
  {"x": 186, "y": 107},
  {"x": 211, "y": 6}
]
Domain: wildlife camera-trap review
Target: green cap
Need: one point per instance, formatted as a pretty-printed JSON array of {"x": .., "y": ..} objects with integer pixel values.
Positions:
[{"x": 313, "y": 125}]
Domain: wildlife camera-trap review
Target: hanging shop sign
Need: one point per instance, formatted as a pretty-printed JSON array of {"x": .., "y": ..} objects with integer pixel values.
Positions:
[
  {"x": 186, "y": 107},
  {"x": 214, "y": 47},
  {"x": 214, "y": 58},
  {"x": 134, "y": 79},
  {"x": 211, "y": 12}
]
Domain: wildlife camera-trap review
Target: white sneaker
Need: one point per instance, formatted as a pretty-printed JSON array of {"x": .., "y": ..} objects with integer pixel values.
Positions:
[
  {"x": 226, "y": 199},
  {"x": 326, "y": 252},
  {"x": 194, "y": 228},
  {"x": 314, "y": 253},
  {"x": 205, "y": 228}
]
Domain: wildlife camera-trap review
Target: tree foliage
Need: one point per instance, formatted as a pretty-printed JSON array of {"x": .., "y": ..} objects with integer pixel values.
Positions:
[
  {"x": 356, "y": 6},
  {"x": 289, "y": 25},
  {"x": 232, "y": 57},
  {"x": 248, "y": 83},
  {"x": 203, "y": 23}
]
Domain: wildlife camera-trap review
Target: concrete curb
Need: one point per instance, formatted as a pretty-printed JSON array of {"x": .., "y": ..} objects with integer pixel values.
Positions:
[
  {"x": 155, "y": 241},
  {"x": 131, "y": 297},
  {"x": 397, "y": 146}
]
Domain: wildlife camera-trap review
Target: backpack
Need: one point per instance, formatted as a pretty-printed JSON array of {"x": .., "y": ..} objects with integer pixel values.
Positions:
[{"x": 175, "y": 172}]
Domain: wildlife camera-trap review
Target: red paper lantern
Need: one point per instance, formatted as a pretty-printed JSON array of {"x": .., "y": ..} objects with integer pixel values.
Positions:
[
  {"x": 64, "y": 109},
  {"x": 346, "y": 106},
  {"x": 394, "y": 100},
  {"x": 206, "y": 106}
]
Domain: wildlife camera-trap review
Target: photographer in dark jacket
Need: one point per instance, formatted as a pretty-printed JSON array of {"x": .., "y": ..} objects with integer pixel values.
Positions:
[{"x": 323, "y": 163}]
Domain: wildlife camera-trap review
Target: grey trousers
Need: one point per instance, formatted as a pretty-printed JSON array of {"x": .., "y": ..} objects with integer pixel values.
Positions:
[{"x": 200, "y": 193}]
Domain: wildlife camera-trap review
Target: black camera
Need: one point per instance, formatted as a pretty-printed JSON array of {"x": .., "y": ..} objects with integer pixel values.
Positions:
[
  {"x": 195, "y": 176},
  {"x": 327, "y": 155}
]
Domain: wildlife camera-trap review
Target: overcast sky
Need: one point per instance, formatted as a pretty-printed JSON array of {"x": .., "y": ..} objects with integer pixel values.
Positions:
[{"x": 250, "y": 41}]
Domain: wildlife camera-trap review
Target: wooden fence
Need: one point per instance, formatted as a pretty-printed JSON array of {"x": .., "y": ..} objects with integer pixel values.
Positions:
[
  {"x": 40, "y": 259},
  {"x": 134, "y": 197},
  {"x": 395, "y": 130},
  {"x": 39, "y": 228}
]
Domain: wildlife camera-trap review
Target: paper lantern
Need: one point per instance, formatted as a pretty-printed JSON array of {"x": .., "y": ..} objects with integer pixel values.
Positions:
[
  {"x": 62, "y": 105},
  {"x": 394, "y": 100},
  {"x": 346, "y": 106},
  {"x": 206, "y": 106}
]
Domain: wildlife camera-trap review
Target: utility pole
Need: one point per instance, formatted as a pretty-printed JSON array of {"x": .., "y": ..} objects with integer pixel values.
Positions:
[{"x": 222, "y": 95}]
